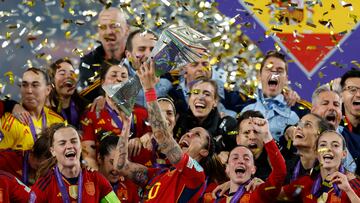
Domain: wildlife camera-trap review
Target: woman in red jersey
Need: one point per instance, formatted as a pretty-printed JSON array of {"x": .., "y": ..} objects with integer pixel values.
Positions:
[
  {"x": 96, "y": 125},
  {"x": 331, "y": 185},
  {"x": 64, "y": 180}
]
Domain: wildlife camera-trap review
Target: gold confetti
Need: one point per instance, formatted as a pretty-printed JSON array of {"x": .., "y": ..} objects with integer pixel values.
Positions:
[
  {"x": 276, "y": 29},
  {"x": 67, "y": 34},
  {"x": 62, "y": 3},
  {"x": 356, "y": 63},
  {"x": 10, "y": 75}
]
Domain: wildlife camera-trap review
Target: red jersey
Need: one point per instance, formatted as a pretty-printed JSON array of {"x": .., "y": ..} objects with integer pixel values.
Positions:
[
  {"x": 12, "y": 162},
  {"x": 207, "y": 197},
  {"x": 12, "y": 189},
  {"x": 150, "y": 159},
  {"x": 93, "y": 124},
  {"x": 126, "y": 190},
  {"x": 301, "y": 189},
  {"x": 182, "y": 184},
  {"x": 95, "y": 188},
  {"x": 270, "y": 189}
]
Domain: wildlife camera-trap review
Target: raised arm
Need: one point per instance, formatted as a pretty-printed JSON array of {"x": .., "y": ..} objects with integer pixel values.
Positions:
[
  {"x": 272, "y": 185},
  {"x": 163, "y": 136},
  {"x": 134, "y": 171}
]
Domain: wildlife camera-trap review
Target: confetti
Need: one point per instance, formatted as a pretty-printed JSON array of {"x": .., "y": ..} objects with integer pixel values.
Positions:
[
  {"x": 10, "y": 75},
  {"x": 167, "y": 3}
]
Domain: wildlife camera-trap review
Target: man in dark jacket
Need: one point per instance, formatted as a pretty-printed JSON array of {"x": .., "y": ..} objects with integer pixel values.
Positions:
[{"x": 113, "y": 31}]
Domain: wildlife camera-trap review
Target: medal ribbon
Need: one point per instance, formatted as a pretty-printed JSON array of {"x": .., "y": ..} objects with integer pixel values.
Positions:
[
  {"x": 116, "y": 119},
  {"x": 317, "y": 188},
  {"x": 296, "y": 171},
  {"x": 114, "y": 116},
  {"x": 25, "y": 170},
  {"x": 62, "y": 187},
  {"x": 32, "y": 126},
  {"x": 240, "y": 192},
  {"x": 74, "y": 117}
]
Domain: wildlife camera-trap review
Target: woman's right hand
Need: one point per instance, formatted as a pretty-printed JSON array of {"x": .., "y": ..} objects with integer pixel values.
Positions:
[
  {"x": 147, "y": 76},
  {"x": 220, "y": 190}
]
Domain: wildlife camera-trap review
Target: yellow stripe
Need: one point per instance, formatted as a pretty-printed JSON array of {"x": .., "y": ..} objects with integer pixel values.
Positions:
[
  {"x": 305, "y": 103},
  {"x": 90, "y": 88}
]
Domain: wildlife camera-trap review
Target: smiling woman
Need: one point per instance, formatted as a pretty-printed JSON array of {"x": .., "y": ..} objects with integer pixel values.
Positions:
[
  {"x": 331, "y": 184},
  {"x": 62, "y": 174},
  {"x": 203, "y": 112}
]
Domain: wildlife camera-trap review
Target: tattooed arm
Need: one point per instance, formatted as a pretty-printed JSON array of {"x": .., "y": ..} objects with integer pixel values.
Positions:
[
  {"x": 159, "y": 126},
  {"x": 134, "y": 171}
]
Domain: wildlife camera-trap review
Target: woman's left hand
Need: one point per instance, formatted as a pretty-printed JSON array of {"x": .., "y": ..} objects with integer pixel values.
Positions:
[
  {"x": 341, "y": 181},
  {"x": 21, "y": 114}
]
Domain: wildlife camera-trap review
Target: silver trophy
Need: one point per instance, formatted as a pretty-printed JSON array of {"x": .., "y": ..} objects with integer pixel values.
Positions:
[
  {"x": 124, "y": 94},
  {"x": 176, "y": 47}
]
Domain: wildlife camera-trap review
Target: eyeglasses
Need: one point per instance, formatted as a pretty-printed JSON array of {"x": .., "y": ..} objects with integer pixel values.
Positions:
[
  {"x": 112, "y": 26},
  {"x": 352, "y": 89}
]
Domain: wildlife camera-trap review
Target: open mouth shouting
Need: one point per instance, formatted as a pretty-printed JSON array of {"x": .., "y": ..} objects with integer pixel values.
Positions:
[
  {"x": 184, "y": 145},
  {"x": 273, "y": 82},
  {"x": 331, "y": 117},
  {"x": 200, "y": 106},
  {"x": 110, "y": 38},
  {"x": 69, "y": 83},
  {"x": 328, "y": 157},
  {"x": 356, "y": 105},
  {"x": 70, "y": 155},
  {"x": 240, "y": 170},
  {"x": 252, "y": 146}
]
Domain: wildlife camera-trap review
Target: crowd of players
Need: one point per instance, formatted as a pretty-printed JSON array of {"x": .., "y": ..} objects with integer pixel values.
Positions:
[{"x": 188, "y": 139}]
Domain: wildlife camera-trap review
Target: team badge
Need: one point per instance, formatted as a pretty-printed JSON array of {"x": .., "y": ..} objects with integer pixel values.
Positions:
[
  {"x": 1, "y": 195},
  {"x": 245, "y": 198},
  {"x": 334, "y": 198},
  {"x": 90, "y": 188},
  {"x": 73, "y": 191},
  {"x": 122, "y": 194}
]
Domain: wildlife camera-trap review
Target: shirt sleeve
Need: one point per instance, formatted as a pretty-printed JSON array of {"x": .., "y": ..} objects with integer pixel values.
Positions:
[
  {"x": 40, "y": 189},
  {"x": 191, "y": 171},
  {"x": 355, "y": 185},
  {"x": 87, "y": 128},
  {"x": 9, "y": 132},
  {"x": 272, "y": 185},
  {"x": 104, "y": 186},
  {"x": 21, "y": 192}
]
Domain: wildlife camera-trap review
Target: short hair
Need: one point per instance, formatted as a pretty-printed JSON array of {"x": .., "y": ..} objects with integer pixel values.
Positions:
[
  {"x": 275, "y": 54},
  {"x": 249, "y": 114},
  {"x": 331, "y": 131},
  {"x": 123, "y": 15},
  {"x": 321, "y": 89},
  {"x": 107, "y": 144},
  {"x": 129, "y": 45},
  {"x": 353, "y": 73},
  {"x": 106, "y": 65},
  {"x": 240, "y": 145},
  {"x": 40, "y": 71},
  {"x": 206, "y": 80}
]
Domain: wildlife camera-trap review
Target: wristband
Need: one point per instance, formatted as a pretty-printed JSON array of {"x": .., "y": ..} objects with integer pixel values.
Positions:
[{"x": 150, "y": 95}]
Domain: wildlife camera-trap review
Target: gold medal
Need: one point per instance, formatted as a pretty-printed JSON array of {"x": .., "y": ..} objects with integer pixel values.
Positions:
[
  {"x": 323, "y": 198},
  {"x": 73, "y": 191}
]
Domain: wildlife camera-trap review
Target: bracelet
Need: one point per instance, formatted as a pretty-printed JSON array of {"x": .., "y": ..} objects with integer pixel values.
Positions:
[{"x": 150, "y": 95}]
